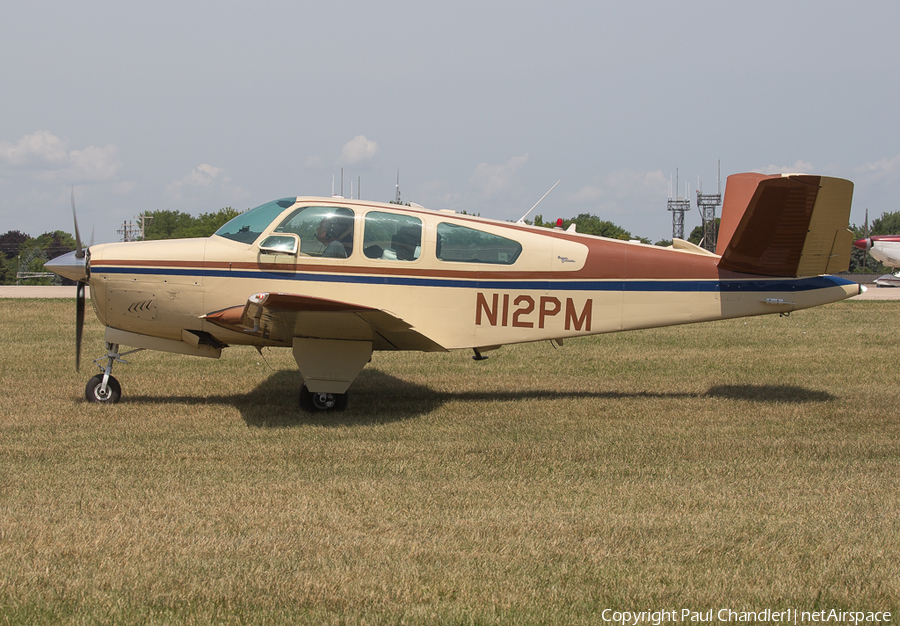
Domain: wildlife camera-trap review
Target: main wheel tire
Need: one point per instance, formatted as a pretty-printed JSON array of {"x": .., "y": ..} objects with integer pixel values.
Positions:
[
  {"x": 94, "y": 393},
  {"x": 322, "y": 402}
]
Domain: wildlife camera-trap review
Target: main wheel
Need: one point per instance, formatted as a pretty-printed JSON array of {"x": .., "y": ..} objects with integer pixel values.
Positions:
[
  {"x": 94, "y": 392},
  {"x": 319, "y": 402}
]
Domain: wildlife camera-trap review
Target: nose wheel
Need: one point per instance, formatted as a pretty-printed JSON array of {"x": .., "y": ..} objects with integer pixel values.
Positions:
[{"x": 98, "y": 391}]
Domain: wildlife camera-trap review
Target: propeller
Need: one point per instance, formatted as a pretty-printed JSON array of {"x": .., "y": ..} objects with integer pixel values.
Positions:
[
  {"x": 75, "y": 266},
  {"x": 79, "y": 289}
]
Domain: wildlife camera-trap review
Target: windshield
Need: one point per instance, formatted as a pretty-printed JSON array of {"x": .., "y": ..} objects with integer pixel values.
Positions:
[{"x": 248, "y": 226}]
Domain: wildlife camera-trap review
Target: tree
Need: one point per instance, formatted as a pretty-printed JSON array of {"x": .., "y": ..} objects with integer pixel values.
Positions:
[
  {"x": 697, "y": 234},
  {"x": 11, "y": 242},
  {"x": 56, "y": 243},
  {"x": 887, "y": 224},
  {"x": 32, "y": 259},
  {"x": 21, "y": 253},
  {"x": 592, "y": 225},
  {"x": 177, "y": 225}
]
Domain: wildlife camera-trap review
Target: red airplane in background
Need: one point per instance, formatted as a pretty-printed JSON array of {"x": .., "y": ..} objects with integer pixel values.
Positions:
[{"x": 884, "y": 248}]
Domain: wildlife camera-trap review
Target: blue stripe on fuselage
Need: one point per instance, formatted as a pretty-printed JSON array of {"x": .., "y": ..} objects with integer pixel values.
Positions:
[{"x": 711, "y": 285}]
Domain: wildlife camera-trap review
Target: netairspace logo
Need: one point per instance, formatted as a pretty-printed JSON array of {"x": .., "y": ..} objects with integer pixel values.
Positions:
[{"x": 783, "y": 616}]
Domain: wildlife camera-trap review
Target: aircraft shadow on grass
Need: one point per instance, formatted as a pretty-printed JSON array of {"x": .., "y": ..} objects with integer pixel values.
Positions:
[
  {"x": 770, "y": 393},
  {"x": 381, "y": 398}
]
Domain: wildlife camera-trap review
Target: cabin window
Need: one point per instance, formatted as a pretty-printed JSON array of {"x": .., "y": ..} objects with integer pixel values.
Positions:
[
  {"x": 392, "y": 236},
  {"x": 248, "y": 226},
  {"x": 323, "y": 231},
  {"x": 461, "y": 244}
]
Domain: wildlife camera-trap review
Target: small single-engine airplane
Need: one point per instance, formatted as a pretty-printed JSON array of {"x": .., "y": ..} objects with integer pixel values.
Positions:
[
  {"x": 336, "y": 279},
  {"x": 886, "y": 249}
]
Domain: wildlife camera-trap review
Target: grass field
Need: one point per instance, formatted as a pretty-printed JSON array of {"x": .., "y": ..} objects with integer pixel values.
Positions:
[{"x": 749, "y": 464}]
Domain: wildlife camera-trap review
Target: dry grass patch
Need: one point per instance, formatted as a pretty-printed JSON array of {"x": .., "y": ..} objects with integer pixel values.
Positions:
[{"x": 747, "y": 464}]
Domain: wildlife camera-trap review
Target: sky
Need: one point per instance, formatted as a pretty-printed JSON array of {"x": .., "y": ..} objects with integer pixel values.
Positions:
[{"x": 481, "y": 106}]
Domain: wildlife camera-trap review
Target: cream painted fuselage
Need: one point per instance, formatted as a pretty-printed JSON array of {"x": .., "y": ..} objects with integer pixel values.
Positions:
[{"x": 561, "y": 285}]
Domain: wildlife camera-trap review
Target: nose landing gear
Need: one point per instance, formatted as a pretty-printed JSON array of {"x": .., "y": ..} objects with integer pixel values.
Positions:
[{"x": 104, "y": 387}]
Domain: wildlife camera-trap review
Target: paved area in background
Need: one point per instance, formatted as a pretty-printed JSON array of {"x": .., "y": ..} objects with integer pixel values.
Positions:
[
  {"x": 11, "y": 291},
  {"x": 872, "y": 293},
  {"x": 879, "y": 293}
]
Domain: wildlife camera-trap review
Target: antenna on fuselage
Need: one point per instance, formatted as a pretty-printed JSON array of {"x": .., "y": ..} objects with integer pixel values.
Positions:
[{"x": 521, "y": 220}]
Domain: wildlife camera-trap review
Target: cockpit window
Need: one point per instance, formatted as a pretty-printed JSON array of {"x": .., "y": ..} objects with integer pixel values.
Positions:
[
  {"x": 467, "y": 245},
  {"x": 248, "y": 226},
  {"x": 323, "y": 231},
  {"x": 392, "y": 236}
]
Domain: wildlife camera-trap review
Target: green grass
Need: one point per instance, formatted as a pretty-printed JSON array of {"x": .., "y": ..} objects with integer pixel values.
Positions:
[{"x": 746, "y": 464}]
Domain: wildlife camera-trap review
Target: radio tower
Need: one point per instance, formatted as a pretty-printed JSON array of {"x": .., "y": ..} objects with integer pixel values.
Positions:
[
  {"x": 707, "y": 204},
  {"x": 678, "y": 205}
]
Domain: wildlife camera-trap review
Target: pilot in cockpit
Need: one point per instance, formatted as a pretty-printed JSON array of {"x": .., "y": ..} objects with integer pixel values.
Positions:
[{"x": 332, "y": 233}]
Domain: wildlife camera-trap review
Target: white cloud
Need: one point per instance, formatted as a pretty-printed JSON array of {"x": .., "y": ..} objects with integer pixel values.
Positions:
[
  {"x": 493, "y": 179},
  {"x": 884, "y": 170},
  {"x": 636, "y": 184},
  {"x": 629, "y": 188},
  {"x": 799, "y": 167},
  {"x": 588, "y": 193},
  {"x": 38, "y": 150},
  {"x": 632, "y": 199},
  {"x": 95, "y": 163},
  {"x": 435, "y": 194},
  {"x": 358, "y": 151},
  {"x": 206, "y": 182},
  {"x": 48, "y": 158}
]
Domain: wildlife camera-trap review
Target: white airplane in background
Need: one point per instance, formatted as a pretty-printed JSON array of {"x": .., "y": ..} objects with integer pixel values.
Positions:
[{"x": 886, "y": 249}]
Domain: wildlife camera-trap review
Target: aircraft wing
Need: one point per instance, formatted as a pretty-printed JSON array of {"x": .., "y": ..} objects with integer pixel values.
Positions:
[{"x": 282, "y": 316}]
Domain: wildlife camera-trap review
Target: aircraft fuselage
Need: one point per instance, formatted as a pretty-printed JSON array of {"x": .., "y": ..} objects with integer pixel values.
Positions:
[{"x": 561, "y": 284}]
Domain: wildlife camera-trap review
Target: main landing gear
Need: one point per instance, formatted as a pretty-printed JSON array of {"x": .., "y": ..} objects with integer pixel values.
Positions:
[
  {"x": 317, "y": 402},
  {"x": 104, "y": 387}
]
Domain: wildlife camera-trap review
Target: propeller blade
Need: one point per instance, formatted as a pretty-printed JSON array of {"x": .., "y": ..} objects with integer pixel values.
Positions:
[
  {"x": 79, "y": 321},
  {"x": 79, "y": 251}
]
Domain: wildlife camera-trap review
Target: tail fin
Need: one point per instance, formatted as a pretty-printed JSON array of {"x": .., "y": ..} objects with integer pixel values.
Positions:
[{"x": 785, "y": 225}]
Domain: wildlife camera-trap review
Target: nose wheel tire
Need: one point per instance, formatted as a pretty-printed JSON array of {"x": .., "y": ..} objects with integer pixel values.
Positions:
[
  {"x": 314, "y": 402},
  {"x": 94, "y": 391}
]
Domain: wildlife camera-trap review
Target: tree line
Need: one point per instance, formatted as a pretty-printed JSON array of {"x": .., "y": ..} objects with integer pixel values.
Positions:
[{"x": 20, "y": 252}]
